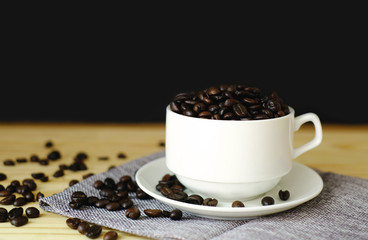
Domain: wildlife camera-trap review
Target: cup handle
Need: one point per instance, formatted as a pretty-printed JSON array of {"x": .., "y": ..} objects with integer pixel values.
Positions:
[{"x": 299, "y": 121}]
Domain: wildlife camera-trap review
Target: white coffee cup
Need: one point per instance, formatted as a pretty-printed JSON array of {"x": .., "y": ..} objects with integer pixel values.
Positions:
[{"x": 234, "y": 159}]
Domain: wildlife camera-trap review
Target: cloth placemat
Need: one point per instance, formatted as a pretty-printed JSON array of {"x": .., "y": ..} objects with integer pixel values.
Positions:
[{"x": 340, "y": 211}]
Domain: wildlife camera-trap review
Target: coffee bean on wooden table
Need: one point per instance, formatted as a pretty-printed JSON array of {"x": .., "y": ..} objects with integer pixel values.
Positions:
[
  {"x": 2, "y": 176},
  {"x": 94, "y": 231},
  {"x": 49, "y": 144},
  {"x": 8, "y": 200},
  {"x": 73, "y": 222},
  {"x": 237, "y": 203},
  {"x": 19, "y": 221},
  {"x": 5, "y": 193},
  {"x": 15, "y": 212},
  {"x": 29, "y": 196},
  {"x": 83, "y": 227},
  {"x": 3, "y": 214},
  {"x": 267, "y": 201},
  {"x": 133, "y": 213},
  {"x": 21, "y": 160},
  {"x": 176, "y": 214},
  {"x": 110, "y": 235},
  {"x": 32, "y": 212},
  {"x": 284, "y": 195},
  {"x": 30, "y": 183},
  {"x": 9, "y": 162},
  {"x": 59, "y": 173},
  {"x": 38, "y": 175},
  {"x": 54, "y": 155},
  {"x": 20, "y": 201},
  {"x": 2, "y": 188}
]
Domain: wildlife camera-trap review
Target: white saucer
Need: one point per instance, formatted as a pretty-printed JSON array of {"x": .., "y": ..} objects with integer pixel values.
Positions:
[{"x": 302, "y": 182}]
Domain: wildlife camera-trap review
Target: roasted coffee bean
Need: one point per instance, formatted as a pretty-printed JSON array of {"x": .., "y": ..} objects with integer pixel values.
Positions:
[
  {"x": 9, "y": 162},
  {"x": 91, "y": 201},
  {"x": 141, "y": 194},
  {"x": 44, "y": 162},
  {"x": 10, "y": 189},
  {"x": 133, "y": 213},
  {"x": 176, "y": 214},
  {"x": 19, "y": 221},
  {"x": 237, "y": 203},
  {"x": 126, "y": 203},
  {"x": 178, "y": 196},
  {"x": 103, "y": 158},
  {"x": 32, "y": 212},
  {"x": 73, "y": 222},
  {"x": 34, "y": 158},
  {"x": 8, "y": 200},
  {"x": 22, "y": 189},
  {"x": 59, "y": 173},
  {"x": 2, "y": 176},
  {"x": 267, "y": 201},
  {"x": 49, "y": 144},
  {"x": 38, "y": 175},
  {"x": 153, "y": 212},
  {"x": 29, "y": 196},
  {"x": 165, "y": 213},
  {"x": 110, "y": 235},
  {"x": 122, "y": 155},
  {"x": 284, "y": 195},
  {"x": 2, "y": 188},
  {"x": 30, "y": 183},
  {"x": 44, "y": 179},
  {"x": 79, "y": 197},
  {"x": 15, "y": 212},
  {"x": 21, "y": 201},
  {"x": 109, "y": 183},
  {"x": 122, "y": 194},
  {"x": 210, "y": 202},
  {"x": 94, "y": 231},
  {"x": 75, "y": 205},
  {"x": 39, "y": 196},
  {"x": 101, "y": 203},
  {"x": 15, "y": 183},
  {"x": 5, "y": 193},
  {"x": 98, "y": 184},
  {"x": 73, "y": 182},
  {"x": 194, "y": 199},
  {"x": 54, "y": 155},
  {"x": 107, "y": 193},
  {"x": 240, "y": 110},
  {"x": 83, "y": 227},
  {"x": 80, "y": 157},
  {"x": 204, "y": 114},
  {"x": 21, "y": 160},
  {"x": 126, "y": 178},
  {"x": 113, "y": 206},
  {"x": 3, "y": 214}
]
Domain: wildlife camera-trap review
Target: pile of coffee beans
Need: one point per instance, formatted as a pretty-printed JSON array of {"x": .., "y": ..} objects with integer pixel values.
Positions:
[
  {"x": 16, "y": 217},
  {"x": 230, "y": 102},
  {"x": 16, "y": 187},
  {"x": 90, "y": 230},
  {"x": 170, "y": 187}
]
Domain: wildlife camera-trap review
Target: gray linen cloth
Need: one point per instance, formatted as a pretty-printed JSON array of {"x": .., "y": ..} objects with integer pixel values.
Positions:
[{"x": 340, "y": 211}]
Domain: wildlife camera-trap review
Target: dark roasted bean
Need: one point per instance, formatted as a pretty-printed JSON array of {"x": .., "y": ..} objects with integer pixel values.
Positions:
[
  {"x": 122, "y": 155},
  {"x": 73, "y": 182},
  {"x": 29, "y": 196},
  {"x": 59, "y": 173},
  {"x": 79, "y": 197},
  {"x": 49, "y": 144},
  {"x": 110, "y": 235},
  {"x": 30, "y": 183},
  {"x": 44, "y": 162},
  {"x": 54, "y": 155},
  {"x": 153, "y": 212},
  {"x": 284, "y": 195},
  {"x": 176, "y": 214},
  {"x": 3, "y": 214},
  {"x": 109, "y": 183},
  {"x": 101, "y": 203},
  {"x": 237, "y": 203},
  {"x": 37, "y": 175},
  {"x": 9, "y": 162},
  {"x": 98, "y": 184},
  {"x": 113, "y": 206},
  {"x": 15, "y": 212},
  {"x": 126, "y": 203},
  {"x": 94, "y": 231},
  {"x": 44, "y": 179},
  {"x": 15, "y": 183},
  {"x": 8, "y": 200},
  {"x": 73, "y": 222},
  {"x": 2, "y": 176},
  {"x": 194, "y": 199},
  {"x": 133, "y": 213},
  {"x": 11, "y": 189},
  {"x": 175, "y": 107},
  {"x": 205, "y": 114},
  {"x": 240, "y": 110},
  {"x": 39, "y": 196},
  {"x": 107, "y": 192},
  {"x": 83, "y": 227},
  {"x": 21, "y": 160},
  {"x": 19, "y": 221},
  {"x": 32, "y": 212},
  {"x": 2, "y": 188},
  {"x": 5, "y": 193},
  {"x": 75, "y": 205},
  {"x": 141, "y": 194},
  {"x": 22, "y": 189},
  {"x": 91, "y": 201},
  {"x": 210, "y": 202},
  {"x": 21, "y": 201},
  {"x": 267, "y": 201},
  {"x": 34, "y": 158}
]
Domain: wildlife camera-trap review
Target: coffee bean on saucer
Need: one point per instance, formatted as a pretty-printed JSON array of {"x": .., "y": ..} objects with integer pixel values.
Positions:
[
  {"x": 110, "y": 235},
  {"x": 237, "y": 204},
  {"x": 19, "y": 221},
  {"x": 284, "y": 195},
  {"x": 73, "y": 222},
  {"x": 32, "y": 212},
  {"x": 194, "y": 199},
  {"x": 133, "y": 213},
  {"x": 210, "y": 202},
  {"x": 266, "y": 201},
  {"x": 176, "y": 214}
]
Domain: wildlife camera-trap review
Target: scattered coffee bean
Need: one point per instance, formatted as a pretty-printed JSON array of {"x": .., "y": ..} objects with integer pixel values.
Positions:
[
  {"x": 29, "y": 196},
  {"x": 21, "y": 160},
  {"x": 210, "y": 202},
  {"x": 176, "y": 214},
  {"x": 15, "y": 183},
  {"x": 11, "y": 188},
  {"x": 113, "y": 206},
  {"x": 19, "y": 221},
  {"x": 101, "y": 203},
  {"x": 83, "y": 227},
  {"x": 73, "y": 222},
  {"x": 8, "y": 200},
  {"x": 59, "y": 173},
  {"x": 3, "y": 214},
  {"x": 94, "y": 231},
  {"x": 237, "y": 203},
  {"x": 103, "y": 158},
  {"x": 122, "y": 155},
  {"x": 44, "y": 162},
  {"x": 73, "y": 182},
  {"x": 32, "y": 212},
  {"x": 15, "y": 212},
  {"x": 5, "y": 193},
  {"x": 91, "y": 201},
  {"x": 80, "y": 157},
  {"x": 133, "y": 213},
  {"x": 30, "y": 183},
  {"x": 34, "y": 158},
  {"x": 153, "y": 212},
  {"x": 44, "y": 179},
  {"x": 2, "y": 176},
  {"x": 75, "y": 205},
  {"x": 49, "y": 144},
  {"x": 9, "y": 162},
  {"x": 284, "y": 195},
  {"x": 22, "y": 189},
  {"x": 194, "y": 199},
  {"x": 79, "y": 197},
  {"x": 39, "y": 196},
  {"x": 126, "y": 203},
  {"x": 267, "y": 201},
  {"x": 38, "y": 175},
  {"x": 21, "y": 201},
  {"x": 110, "y": 235},
  {"x": 2, "y": 188},
  {"x": 54, "y": 155}
]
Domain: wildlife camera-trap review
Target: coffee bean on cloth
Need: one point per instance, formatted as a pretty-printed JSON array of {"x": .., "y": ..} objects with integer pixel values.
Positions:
[{"x": 338, "y": 212}]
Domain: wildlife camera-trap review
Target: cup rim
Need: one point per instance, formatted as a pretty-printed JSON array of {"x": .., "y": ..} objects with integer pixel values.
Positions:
[{"x": 291, "y": 113}]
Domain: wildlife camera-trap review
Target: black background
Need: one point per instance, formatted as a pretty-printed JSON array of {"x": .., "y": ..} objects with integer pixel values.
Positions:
[{"x": 100, "y": 74}]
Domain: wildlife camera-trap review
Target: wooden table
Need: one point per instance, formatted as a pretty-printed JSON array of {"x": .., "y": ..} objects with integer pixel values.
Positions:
[{"x": 344, "y": 150}]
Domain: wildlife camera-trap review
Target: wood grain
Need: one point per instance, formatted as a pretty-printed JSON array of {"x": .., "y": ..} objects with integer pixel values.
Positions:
[{"x": 344, "y": 150}]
